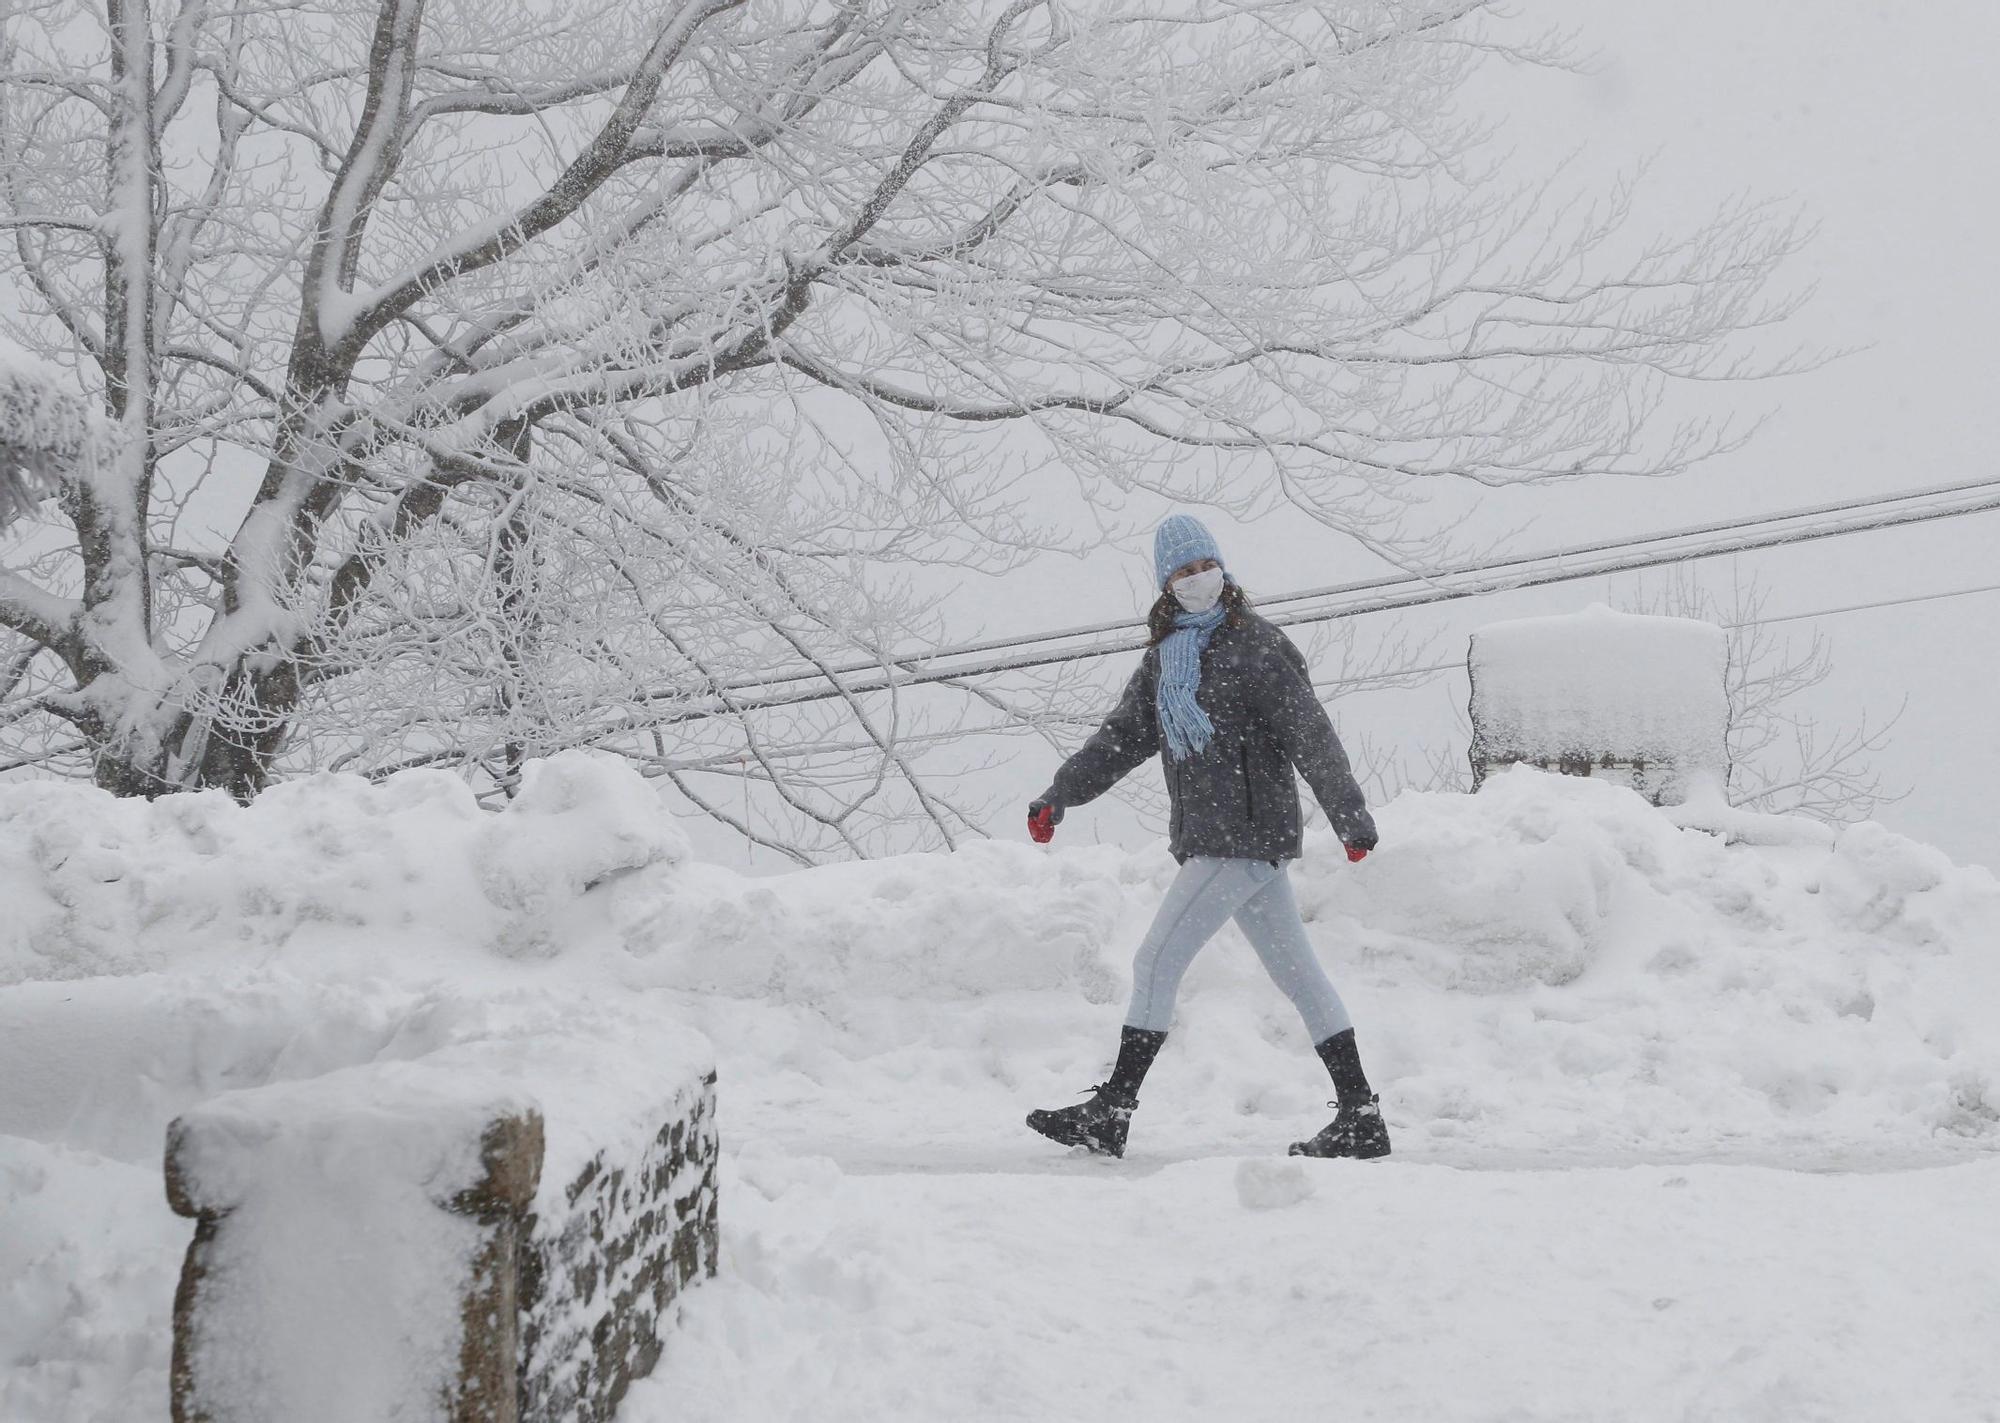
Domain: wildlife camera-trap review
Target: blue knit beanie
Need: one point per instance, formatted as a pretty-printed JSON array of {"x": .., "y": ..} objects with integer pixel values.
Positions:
[{"x": 1181, "y": 539}]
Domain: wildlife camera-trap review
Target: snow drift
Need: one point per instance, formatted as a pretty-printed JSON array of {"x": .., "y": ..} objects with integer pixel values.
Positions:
[
  {"x": 1549, "y": 971},
  {"x": 95, "y": 884}
]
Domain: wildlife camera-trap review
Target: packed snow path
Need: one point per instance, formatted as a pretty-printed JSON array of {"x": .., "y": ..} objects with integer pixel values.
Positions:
[{"x": 869, "y": 1284}]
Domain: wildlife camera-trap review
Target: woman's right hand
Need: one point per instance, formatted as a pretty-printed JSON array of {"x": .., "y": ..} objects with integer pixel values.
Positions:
[{"x": 1043, "y": 817}]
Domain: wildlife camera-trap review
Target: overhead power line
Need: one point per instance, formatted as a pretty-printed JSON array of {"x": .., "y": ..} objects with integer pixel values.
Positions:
[
  {"x": 1869, "y": 511},
  {"x": 1458, "y": 663},
  {"x": 1866, "y": 607},
  {"x": 1473, "y": 580},
  {"x": 1375, "y": 595}
]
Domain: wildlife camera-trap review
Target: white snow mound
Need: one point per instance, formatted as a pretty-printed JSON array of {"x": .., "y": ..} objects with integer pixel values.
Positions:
[
  {"x": 95, "y": 884},
  {"x": 1550, "y": 971}
]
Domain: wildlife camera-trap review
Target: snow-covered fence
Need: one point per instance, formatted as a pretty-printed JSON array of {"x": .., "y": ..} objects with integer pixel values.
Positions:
[
  {"x": 427, "y": 1239},
  {"x": 1625, "y": 696}
]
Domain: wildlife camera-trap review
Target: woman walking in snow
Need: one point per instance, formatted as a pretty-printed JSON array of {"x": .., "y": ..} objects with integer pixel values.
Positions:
[{"x": 1225, "y": 697}]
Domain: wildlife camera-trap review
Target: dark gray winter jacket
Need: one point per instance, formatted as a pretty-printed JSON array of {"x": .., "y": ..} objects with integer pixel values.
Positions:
[{"x": 1237, "y": 798}]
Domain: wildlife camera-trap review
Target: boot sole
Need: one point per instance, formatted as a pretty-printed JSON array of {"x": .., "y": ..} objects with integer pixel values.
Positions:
[{"x": 1298, "y": 1148}]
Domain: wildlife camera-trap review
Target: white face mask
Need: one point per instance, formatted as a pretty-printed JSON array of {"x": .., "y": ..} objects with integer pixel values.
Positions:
[{"x": 1197, "y": 592}]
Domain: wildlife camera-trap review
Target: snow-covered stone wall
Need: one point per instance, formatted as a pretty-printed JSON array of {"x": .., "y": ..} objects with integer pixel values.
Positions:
[
  {"x": 356, "y": 1246},
  {"x": 607, "y": 1256},
  {"x": 1638, "y": 696},
  {"x": 389, "y": 1241},
  {"x": 332, "y": 1006}
]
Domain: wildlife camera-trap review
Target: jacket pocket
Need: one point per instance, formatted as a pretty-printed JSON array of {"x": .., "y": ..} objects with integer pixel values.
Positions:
[{"x": 1249, "y": 795}]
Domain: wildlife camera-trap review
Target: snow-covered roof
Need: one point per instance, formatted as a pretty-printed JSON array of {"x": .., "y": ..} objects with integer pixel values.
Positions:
[{"x": 1598, "y": 683}]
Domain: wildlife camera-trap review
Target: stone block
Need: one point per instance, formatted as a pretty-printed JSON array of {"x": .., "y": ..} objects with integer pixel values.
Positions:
[{"x": 387, "y": 1237}]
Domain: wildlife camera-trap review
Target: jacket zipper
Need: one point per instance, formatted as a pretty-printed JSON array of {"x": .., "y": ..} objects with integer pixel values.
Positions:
[{"x": 1249, "y": 800}]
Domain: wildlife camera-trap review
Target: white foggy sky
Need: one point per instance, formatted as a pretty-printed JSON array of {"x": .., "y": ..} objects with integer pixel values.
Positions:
[
  {"x": 1881, "y": 122},
  {"x": 1882, "y": 127}
]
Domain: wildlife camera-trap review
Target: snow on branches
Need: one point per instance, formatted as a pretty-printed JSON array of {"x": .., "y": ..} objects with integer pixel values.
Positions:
[
  {"x": 599, "y": 373},
  {"x": 46, "y": 431}
]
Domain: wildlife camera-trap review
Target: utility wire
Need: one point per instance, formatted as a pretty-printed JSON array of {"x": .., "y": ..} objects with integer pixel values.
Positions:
[
  {"x": 1864, "y": 607},
  {"x": 1458, "y": 663},
  {"x": 1649, "y": 551},
  {"x": 1474, "y": 580},
  {"x": 1272, "y": 606}
]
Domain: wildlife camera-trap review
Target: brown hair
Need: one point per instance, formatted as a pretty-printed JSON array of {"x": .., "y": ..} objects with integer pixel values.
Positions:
[{"x": 1160, "y": 619}]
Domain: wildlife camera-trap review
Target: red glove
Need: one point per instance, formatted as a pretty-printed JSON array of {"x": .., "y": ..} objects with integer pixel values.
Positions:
[
  {"x": 1042, "y": 818},
  {"x": 1355, "y": 854}
]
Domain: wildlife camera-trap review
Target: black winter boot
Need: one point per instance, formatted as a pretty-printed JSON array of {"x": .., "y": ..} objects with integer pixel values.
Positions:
[
  {"x": 1357, "y": 1130},
  {"x": 1101, "y": 1123}
]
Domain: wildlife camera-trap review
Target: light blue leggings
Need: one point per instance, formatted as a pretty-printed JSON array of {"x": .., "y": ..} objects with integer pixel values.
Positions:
[{"x": 1258, "y": 895}]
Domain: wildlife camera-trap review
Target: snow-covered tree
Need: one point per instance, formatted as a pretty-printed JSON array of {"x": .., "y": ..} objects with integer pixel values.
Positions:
[
  {"x": 46, "y": 432},
  {"x": 488, "y": 378}
]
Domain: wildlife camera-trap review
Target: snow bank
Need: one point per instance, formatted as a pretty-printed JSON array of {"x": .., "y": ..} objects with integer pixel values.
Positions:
[
  {"x": 1550, "y": 962},
  {"x": 1586, "y": 685},
  {"x": 1549, "y": 965},
  {"x": 89, "y": 1254},
  {"x": 1550, "y": 933},
  {"x": 95, "y": 884},
  {"x": 1549, "y": 971},
  {"x": 329, "y": 1116},
  {"x": 322, "y": 948}
]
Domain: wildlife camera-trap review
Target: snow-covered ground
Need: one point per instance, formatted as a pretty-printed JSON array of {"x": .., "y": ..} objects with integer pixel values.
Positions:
[{"x": 1685, "y": 1128}]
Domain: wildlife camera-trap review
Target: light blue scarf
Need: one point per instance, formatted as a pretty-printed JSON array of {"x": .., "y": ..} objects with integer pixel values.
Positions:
[{"x": 1182, "y": 721}]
